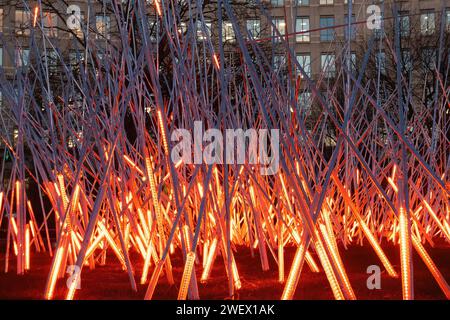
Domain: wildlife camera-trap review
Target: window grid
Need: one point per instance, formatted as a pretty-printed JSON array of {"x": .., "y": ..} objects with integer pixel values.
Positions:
[
  {"x": 327, "y": 34},
  {"x": 280, "y": 25},
  {"x": 103, "y": 26},
  {"x": 427, "y": 23},
  {"x": 302, "y": 25},
  {"x": 328, "y": 65},
  {"x": 22, "y": 22},
  {"x": 254, "y": 28},
  {"x": 304, "y": 60}
]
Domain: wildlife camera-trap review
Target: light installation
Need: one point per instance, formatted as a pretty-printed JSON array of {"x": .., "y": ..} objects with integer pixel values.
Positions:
[{"x": 99, "y": 152}]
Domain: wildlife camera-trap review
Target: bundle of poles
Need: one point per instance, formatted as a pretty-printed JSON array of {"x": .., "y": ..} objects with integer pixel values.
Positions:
[{"x": 99, "y": 149}]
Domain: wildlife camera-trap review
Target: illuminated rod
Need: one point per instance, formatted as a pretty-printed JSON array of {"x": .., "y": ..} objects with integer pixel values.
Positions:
[
  {"x": 14, "y": 225},
  {"x": 405, "y": 257},
  {"x": 309, "y": 259},
  {"x": 435, "y": 218},
  {"x": 147, "y": 263},
  {"x": 36, "y": 12},
  {"x": 338, "y": 295},
  {"x": 338, "y": 263},
  {"x": 205, "y": 253},
  {"x": 280, "y": 253},
  {"x": 20, "y": 235},
  {"x": 393, "y": 185},
  {"x": 1, "y": 201},
  {"x": 159, "y": 218},
  {"x": 294, "y": 273},
  {"x": 158, "y": 7},
  {"x": 394, "y": 170},
  {"x": 154, "y": 280},
  {"x": 75, "y": 278},
  {"x": 94, "y": 245},
  {"x": 187, "y": 238},
  {"x": 210, "y": 261},
  {"x": 33, "y": 234},
  {"x": 62, "y": 189},
  {"x": 432, "y": 267},
  {"x": 144, "y": 224},
  {"x": 328, "y": 234},
  {"x": 27, "y": 247},
  {"x": 112, "y": 243},
  {"x": 132, "y": 164},
  {"x": 163, "y": 131},
  {"x": 286, "y": 195},
  {"x": 216, "y": 61},
  {"x": 235, "y": 273},
  {"x": 140, "y": 245},
  {"x": 372, "y": 240},
  {"x": 186, "y": 278},
  {"x": 54, "y": 273},
  {"x": 167, "y": 176},
  {"x": 311, "y": 263},
  {"x": 156, "y": 206}
]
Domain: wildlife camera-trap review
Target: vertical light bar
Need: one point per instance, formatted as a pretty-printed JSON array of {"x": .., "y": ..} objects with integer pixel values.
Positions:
[
  {"x": 280, "y": 253},
  {"x": 337, "y": 292},
  {"x": 294, "y": 274},
  {"x": 154, "y": 280},
  {"x": 54, "y": 273},
  {"x": 186, "y": 278},
  {"x": 405, "y": 257},
  {"x": 209, "y": 263},
  {"x": 27, "y": 247}
]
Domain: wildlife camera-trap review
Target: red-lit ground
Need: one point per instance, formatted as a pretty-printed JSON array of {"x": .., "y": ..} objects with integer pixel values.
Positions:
[{"x": 111, "y": 282}]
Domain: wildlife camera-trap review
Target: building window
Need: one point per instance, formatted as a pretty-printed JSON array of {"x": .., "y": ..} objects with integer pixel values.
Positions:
[
  {"x": 50, "y": 24},
  {"x": 301, "y": 26},
  {"x": 153, "y": 29},
  {"x": 74, "y": 58},
  {"x": 103, "y": 26},
  {"x": 22, "y": 57},
  {"x": 1, "y": 20},
  {"x": 280, "y": 25},
  {"x": 404, "y": 24},
  {"x": 302, "y": 2},
  {"x": 52, "y": 61},
  {"x": 182, "y": 28},
  {"x": 406, "y": 61},
  {"x": 305, "y": 101},
  {"x": 279, "y": 62},
  {"x": 447, "y": 20},
  {"x": 380, "y": 62},
  {"x": 429, "y": 59},
  {"x": 326, "y": 32},
  {"x": 277, "y": 3},
  {"x": 254, "y": 28},
  {"x": 326, "y": 2},
  {"x": 22, "y": 22},
  {"x": 352, "y": 28},
  {"x": 353, "y": 63},
  {"x": 328, "y": 65},
  {"x": 427, "y": 23},
  {"x": 1, "y": 57},
  {"x": 203, "y": 31},
  {"x": 228, "y": 32},
  {"x": 304, "y": 60}
]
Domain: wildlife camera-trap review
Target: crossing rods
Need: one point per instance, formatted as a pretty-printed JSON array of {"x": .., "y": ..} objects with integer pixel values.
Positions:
[{"x": 95, "y": 141}]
